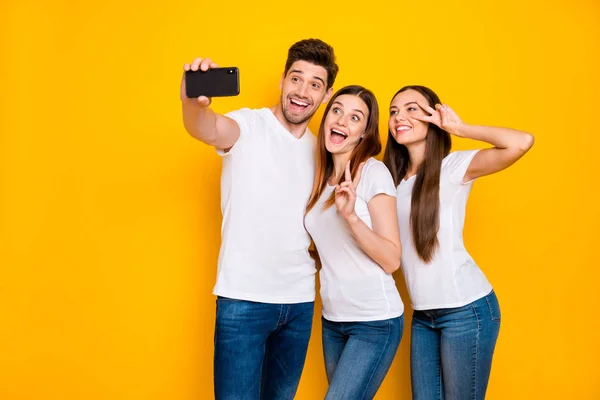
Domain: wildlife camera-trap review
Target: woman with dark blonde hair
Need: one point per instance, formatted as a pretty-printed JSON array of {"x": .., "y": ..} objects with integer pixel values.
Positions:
[
  {"x": 351, "y": 216},
  {"x": 456, "y": 316}
]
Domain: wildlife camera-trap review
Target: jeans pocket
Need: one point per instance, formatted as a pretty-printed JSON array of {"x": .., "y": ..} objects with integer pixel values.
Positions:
[
  {"x": 376, "y": 327},
  {"x": 228, "y": 307},
  {"x": 494, "y": 306}
]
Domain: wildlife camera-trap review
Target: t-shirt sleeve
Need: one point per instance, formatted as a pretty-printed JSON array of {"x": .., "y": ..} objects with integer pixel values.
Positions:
[
  {"x": 457, "y": 163},
  {"x": 376, "y": 179},
  {"x": 245, "y": 119}
]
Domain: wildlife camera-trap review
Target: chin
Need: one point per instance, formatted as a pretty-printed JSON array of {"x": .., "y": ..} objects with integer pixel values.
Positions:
[
  {"x": 402, "y": 141},
  {"x": 334, "y": 148},
  {"x": 330, "y": 149}
]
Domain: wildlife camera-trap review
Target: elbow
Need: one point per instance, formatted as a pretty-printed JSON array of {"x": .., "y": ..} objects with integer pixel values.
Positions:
[
  {"x": 526, "y": 143},
  {"x": 210, "y": 140},
  {"x": 394, "y": 263},
  {"x": 391, "y": 268}
]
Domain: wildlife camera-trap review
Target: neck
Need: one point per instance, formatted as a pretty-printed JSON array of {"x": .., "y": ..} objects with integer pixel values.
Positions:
[
  {"x": 339, "y": 166},
  {"x": 296, "y": 130},
  {"x": 416, "y": 155}
]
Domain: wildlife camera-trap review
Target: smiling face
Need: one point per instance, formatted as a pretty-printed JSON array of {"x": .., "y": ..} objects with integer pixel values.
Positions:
[
  {"x": 303, "y": 89},
  {"x": 345, "y": 123},
  {"x": 404, "y": 128}
]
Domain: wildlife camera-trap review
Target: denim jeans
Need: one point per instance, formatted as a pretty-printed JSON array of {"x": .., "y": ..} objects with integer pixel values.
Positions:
[
  {"x": 358, "y": 355},
  {"x": 451, "y": 350},
  {"x": 260, "y": 349}
]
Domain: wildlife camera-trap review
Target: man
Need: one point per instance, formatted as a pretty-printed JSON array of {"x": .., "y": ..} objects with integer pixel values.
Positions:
[{"x": 266, "y": 278}]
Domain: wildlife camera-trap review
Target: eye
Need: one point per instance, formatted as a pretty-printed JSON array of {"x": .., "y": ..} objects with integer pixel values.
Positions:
[
  {"x": 412, "y": 108},
  {"x": 316, "y": 86},
  {"x": 393, "y": 112},
  {"x": 295, "y": 79},
  {"x": 355, "y": 118},
  {"x": 335, "y": 110}
]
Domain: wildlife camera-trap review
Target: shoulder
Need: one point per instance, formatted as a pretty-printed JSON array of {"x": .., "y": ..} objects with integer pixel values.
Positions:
[
  {"x": 247, "y": 115},
  {"x": 375, "y": 179},
  {"x": 249, "y": 119},
  {"x": 243, "y": 113},
  {"x": 455, "y": 165},
  {"x": 458, "y": 158},
  {"x": 375, "y": 169}
]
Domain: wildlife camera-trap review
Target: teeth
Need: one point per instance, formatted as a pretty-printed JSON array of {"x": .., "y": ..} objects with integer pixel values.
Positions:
[
  {"x": 300, "y": 103},
  {"x": 402, "y": 128},
  {"x": 339, "y": 132}
]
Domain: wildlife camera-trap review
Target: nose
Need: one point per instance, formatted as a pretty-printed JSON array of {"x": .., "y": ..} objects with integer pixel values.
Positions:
[
  {"x": 400, "y": 116},
  {"x": 303, "y": 91},
  {"x": 341, "y": 120}
]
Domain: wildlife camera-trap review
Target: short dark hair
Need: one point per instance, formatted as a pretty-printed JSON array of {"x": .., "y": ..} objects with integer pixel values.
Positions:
[{"x": 314, "y": 51}]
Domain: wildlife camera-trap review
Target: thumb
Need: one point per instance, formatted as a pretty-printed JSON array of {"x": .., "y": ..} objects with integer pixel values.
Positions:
[{"x": 204, "y": 101}]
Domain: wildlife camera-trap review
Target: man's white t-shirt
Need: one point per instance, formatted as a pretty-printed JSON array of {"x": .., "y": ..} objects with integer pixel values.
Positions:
[
  {"x": 266, "y": 181},
  {"x": 451, "y": 279},
  {"x": 353, "y": 286}
]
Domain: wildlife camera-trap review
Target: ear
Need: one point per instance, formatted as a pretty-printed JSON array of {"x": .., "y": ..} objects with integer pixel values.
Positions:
[{"x": 327, "y": 95}]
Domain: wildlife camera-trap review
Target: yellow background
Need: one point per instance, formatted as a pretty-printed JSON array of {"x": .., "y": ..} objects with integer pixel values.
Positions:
[{"x": 110, "y": 218}]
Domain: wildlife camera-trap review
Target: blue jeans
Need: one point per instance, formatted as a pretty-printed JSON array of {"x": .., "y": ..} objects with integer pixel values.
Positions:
[
  {"x": 358, "y": 355},
  {"x": 451, "y": 350},
  {"x": 260, "y": 349}
]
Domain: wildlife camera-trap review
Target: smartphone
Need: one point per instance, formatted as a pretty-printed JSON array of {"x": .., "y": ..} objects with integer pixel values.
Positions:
[{"x": 217, "y": 82}]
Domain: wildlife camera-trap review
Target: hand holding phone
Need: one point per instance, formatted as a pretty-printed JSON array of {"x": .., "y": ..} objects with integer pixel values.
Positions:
[{"x": 204, "y": 79}]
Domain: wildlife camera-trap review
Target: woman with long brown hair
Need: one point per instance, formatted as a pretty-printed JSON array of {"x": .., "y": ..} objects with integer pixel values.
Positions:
[
  {"x": 456, "y": 316},
  {"x": 351, "y": 216}
]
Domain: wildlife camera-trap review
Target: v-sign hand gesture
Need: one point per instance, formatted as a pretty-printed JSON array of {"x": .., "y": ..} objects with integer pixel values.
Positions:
[
  {"x": 442, "y": 116},
  {"x": 345, "y": 194}
]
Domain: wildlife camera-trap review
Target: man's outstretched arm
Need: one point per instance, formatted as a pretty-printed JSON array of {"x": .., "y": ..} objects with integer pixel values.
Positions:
[{"x": 200, "y": 121}]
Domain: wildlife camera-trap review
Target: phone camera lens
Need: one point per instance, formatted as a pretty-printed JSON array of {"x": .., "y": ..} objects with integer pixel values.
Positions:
[{"x": 230, "y": 71}]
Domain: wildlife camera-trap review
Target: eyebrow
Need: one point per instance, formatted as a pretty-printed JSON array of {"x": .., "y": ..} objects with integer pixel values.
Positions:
[
  {"x": 302, "y": 73},
  {"x": 410, "y": 102},
  {"x": 356, "y": 109}
]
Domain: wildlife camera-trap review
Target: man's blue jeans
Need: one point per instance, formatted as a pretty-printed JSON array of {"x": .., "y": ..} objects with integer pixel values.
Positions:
[
  {"x": 451, "y": 350},
  {"x": 260, "y": 349}
]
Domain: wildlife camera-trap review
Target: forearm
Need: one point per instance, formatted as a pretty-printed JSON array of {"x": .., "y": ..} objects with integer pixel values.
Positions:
[
  {"x": 200, "y": 122},
  {"x": 383, "y": 251},
  {"x": 501, "y": 138}
]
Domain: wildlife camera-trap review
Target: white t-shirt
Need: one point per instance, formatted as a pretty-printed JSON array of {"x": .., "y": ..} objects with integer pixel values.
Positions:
[
  {"x": 451, "y": 279},
  {"x": 353, "y": 286},
  {"x": 266, "y": 181}
]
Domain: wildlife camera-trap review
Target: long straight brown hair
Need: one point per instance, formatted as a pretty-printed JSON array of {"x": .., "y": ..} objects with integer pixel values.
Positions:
[
  {"x": 425, "y": 202},
  {"x": 368, "y": 146}
]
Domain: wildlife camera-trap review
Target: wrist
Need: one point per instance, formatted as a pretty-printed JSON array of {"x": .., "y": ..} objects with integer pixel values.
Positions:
[
  {"x": 460, "y": 130},
  {"x": 352, "y": 218}
]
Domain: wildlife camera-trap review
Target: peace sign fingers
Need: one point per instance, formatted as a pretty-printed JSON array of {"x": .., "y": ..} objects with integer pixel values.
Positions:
[{"x": 348, "y": 175}]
